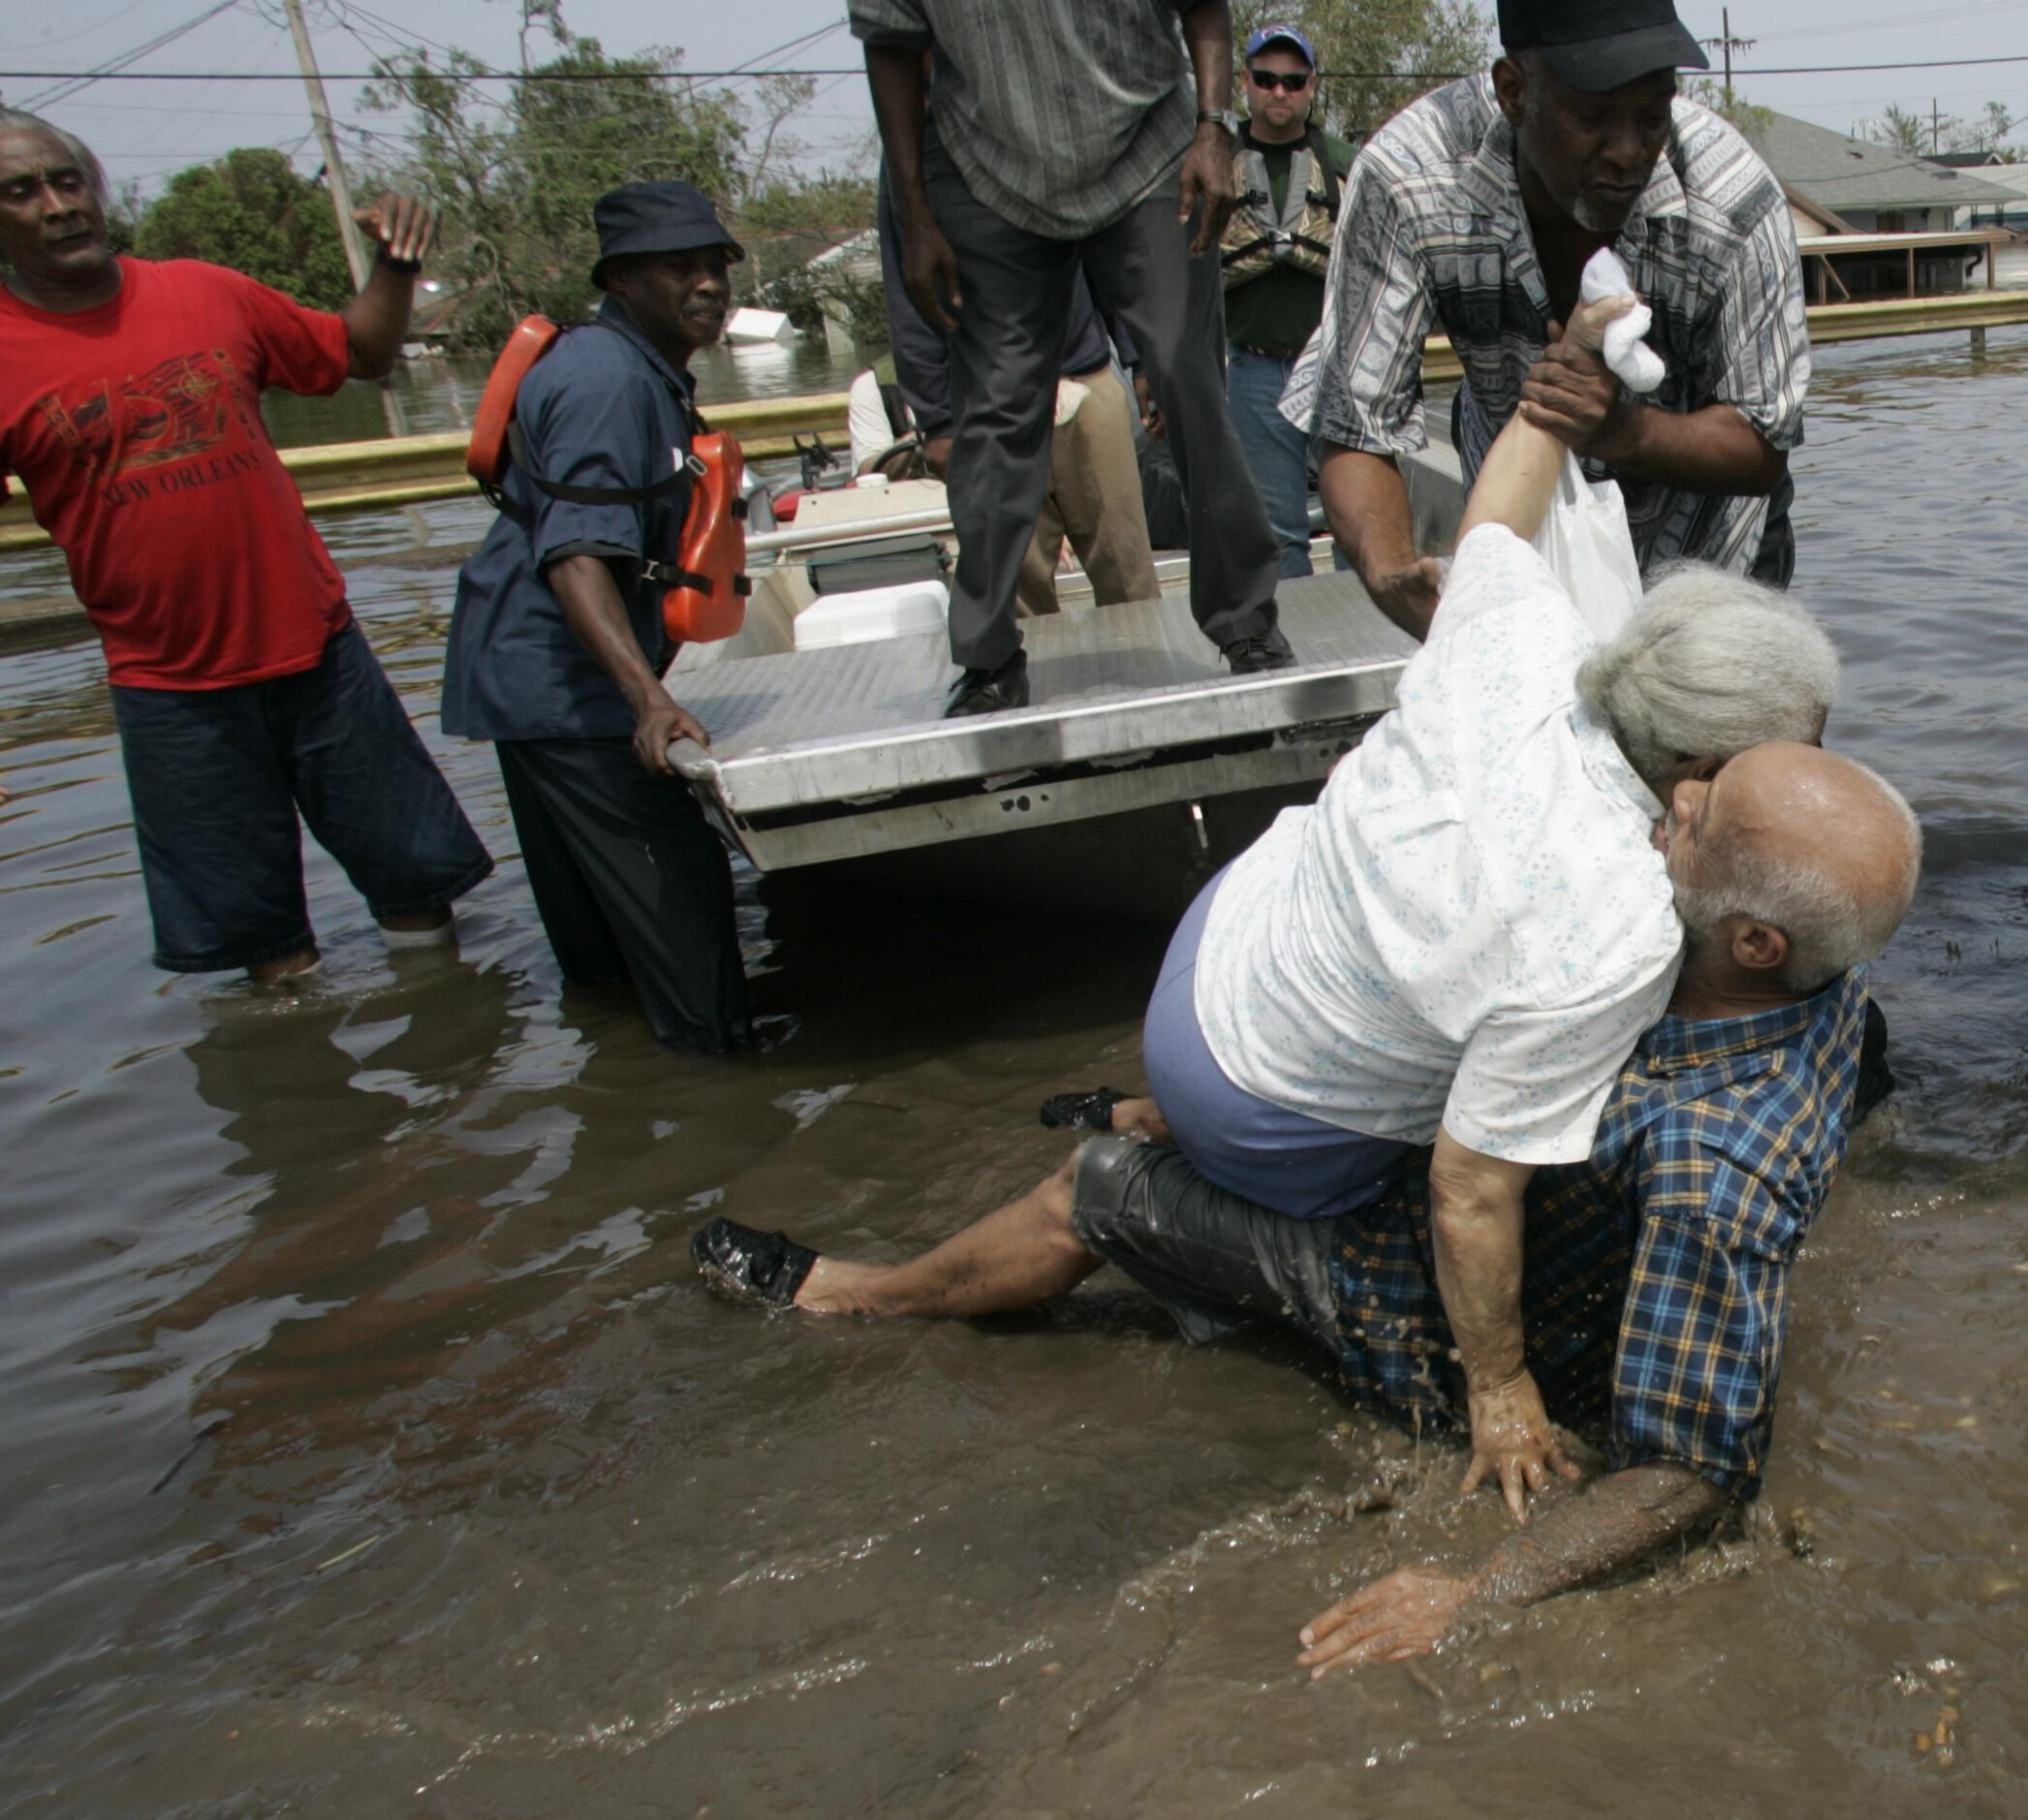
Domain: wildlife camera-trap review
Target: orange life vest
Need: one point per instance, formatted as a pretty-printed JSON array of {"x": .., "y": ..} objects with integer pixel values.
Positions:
[{"x": 704, "y": 585}]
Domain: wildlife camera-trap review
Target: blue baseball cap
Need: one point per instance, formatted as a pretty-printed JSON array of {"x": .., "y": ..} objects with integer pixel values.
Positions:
[
  {"x": 662, "y": 217},
  {"x": 1289, "y": 35}
]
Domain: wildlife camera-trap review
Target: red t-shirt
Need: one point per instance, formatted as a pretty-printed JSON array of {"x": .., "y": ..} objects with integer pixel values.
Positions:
[{"x": 137, "y": 429}]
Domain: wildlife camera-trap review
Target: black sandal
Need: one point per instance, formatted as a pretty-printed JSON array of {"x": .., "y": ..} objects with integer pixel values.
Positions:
[
  {"x": 1082, "y": 1111},
  {"x": 754, "y": 1268}
]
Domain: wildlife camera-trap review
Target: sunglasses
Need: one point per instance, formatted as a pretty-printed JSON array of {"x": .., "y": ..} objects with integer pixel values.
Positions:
[{"x": 1293, "y": 82}]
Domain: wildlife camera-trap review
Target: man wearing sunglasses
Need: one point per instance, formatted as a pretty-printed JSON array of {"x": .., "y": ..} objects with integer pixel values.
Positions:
[{"x": 1276, "y": 250}]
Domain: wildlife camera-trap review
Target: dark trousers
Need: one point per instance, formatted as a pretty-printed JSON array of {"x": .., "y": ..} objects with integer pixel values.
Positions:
[
  {"x": 632, "y": 883},
  {"x": 1004, "y": 364},
  {"x": 218, "y": 777}
]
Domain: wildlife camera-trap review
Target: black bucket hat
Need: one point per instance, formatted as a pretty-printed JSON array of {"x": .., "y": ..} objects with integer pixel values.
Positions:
[
  {"x": 1597, "y": 45},
  {"x": 665, "y": 217}
]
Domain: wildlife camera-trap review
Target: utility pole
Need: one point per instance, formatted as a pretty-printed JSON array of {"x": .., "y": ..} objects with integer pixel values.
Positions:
[
  {"x": 328, "y": 140},
  {"x": 1936, "y": 128},
  {"x": 1728, "y": 44},
  {"x": 357, "y": 259}
]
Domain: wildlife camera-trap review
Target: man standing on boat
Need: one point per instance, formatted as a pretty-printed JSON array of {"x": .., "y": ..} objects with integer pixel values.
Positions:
[
  {"x": 557, "y": 645},
  {"x": 1474, "y": 211},
  {"x": 1058, "y": 134},
  {"x": 1277, "y": 247},
  {"x": 244, "y": 694},
  {"x": 1094, "y": 495}
]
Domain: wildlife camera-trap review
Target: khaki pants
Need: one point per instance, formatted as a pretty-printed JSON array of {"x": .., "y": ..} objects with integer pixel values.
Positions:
[{"x": 1094, "y": 498}]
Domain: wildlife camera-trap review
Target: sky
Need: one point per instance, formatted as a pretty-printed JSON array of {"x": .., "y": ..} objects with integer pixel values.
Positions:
[{"x": 146, "y": 129}]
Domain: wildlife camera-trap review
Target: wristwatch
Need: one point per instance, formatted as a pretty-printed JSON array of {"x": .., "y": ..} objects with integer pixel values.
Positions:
[{"x": 1215, "y": 116}]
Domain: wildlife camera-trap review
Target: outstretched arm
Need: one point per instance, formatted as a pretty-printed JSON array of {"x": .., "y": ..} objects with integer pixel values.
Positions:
[
  {"x": 401, "y": 228},
  {"x": 597, "y": 616},
  {"x": 1712, "y": 450},
  {"x": 1624, "y": 1519},
  {"x": 1519, "y": 478},
  {"x": 1477, "y": 1208},
  {"x": 1365, "y": 505}
]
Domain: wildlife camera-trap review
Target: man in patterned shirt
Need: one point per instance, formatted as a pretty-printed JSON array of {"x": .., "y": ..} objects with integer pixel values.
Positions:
[
  {"x": 1655, "y": 1285},
  {"x": 1474, "y": 211}
]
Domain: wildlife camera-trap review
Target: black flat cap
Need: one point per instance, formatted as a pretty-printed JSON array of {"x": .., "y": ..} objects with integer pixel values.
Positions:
[
  {"x": 665, "y": 217},
  {"x": 1597, "y": 45}
]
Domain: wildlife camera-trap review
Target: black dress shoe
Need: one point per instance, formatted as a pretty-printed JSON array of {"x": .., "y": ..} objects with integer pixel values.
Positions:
[
  {"x": 755, "y": 1269},
  {"x": 989, "y": 691},
  {"x": 1082, "y": 1111},
  {"x": 1250, "y": 657}
]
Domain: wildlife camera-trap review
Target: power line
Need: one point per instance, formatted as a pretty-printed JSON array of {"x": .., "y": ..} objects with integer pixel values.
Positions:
[
  {"x": 681, "y": 75},
  {"x": 71, "y": 84},
  {"x": 135, "y": 6}
]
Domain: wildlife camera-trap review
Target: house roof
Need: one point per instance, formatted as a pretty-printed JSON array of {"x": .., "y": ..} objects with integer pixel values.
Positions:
[{"x": 1843, "y": 173}]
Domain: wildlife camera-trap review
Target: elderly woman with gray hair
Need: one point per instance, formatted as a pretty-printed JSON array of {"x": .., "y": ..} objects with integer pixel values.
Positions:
[{"x": 1460, "y": 943}]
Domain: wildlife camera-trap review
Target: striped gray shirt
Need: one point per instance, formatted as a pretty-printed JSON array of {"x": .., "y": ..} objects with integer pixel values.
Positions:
[
  {"x": 1432, "y": 232},
  {"x": 1059, "y": 115}
]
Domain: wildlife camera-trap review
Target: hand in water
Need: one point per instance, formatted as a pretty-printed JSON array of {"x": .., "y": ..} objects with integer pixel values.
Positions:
[
  {"x": 1408, "y": 1613},
  {"x": 1515, "y": 1444}
]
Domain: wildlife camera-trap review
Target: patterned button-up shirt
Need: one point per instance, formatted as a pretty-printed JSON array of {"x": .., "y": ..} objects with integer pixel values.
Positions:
[
  {"x": 1432, "y": 231},
  {"x": 1059, "y": 115},
  {"x": 1654, "y": 1286}
]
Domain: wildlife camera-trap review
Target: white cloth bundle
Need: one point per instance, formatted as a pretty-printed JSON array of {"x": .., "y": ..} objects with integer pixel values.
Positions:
[{"x": 1637, "y": 363}]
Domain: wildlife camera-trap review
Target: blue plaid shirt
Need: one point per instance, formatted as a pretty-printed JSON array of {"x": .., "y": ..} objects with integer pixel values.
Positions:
[{"x": 1654, "y": 1286}]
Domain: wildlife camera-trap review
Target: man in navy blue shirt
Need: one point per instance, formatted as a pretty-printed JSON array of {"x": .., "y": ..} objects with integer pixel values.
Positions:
[{"x": 557, "y": 648}]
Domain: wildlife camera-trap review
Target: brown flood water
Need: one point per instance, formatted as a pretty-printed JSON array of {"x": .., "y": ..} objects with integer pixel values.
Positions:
[{"x": 369, "y": 1447}]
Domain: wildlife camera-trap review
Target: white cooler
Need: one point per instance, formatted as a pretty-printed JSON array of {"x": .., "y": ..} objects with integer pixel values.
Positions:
[{"x": 874, "y": 612}]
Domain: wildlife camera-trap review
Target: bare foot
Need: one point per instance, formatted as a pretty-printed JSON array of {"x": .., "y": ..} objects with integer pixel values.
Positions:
[
  {"x": 1140, "y": 1119},
  {"x": 838, "y": 1286}
]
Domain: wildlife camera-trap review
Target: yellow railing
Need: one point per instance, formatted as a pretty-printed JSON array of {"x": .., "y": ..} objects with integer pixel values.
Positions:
[{"x": 410, "y": 470}]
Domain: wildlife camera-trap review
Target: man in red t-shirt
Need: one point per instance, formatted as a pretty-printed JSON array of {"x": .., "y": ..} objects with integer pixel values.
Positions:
[{"x": 130, "y": 409}]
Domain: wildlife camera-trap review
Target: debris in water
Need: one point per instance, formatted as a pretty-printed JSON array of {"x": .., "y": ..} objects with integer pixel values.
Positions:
[
  {"x": 358, "y": 1548},
  {"x": 189, "y": 1453}
]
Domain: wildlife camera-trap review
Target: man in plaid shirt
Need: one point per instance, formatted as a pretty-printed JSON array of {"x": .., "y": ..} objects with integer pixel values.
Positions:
[{"x": 1655, "y": 1283}]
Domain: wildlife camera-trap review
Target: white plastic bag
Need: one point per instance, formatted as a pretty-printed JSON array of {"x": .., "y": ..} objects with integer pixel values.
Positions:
[{"x": 1586, "y": 544}]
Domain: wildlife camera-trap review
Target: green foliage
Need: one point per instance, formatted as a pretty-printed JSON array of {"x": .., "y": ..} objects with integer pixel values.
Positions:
[
  {"x": 1923, "y": 135},
  {"x": 1358, "y": 41},
  {"x": 516, "y": 181},
  {"x": 783, "y": 227},
  {"x": 253, "y": 212},
  {"x": 1730, "y": 104},
  {"x": 1901, "y": 129}
]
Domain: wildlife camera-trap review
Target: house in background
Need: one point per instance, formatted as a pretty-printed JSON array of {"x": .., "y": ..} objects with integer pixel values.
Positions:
[
  {"x": 2012, "y": 262},
  {"x": 1843, "y": 187}
]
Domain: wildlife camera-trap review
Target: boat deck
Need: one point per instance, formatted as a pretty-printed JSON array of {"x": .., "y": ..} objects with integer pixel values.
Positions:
[{"x": 838, "y": 753}]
